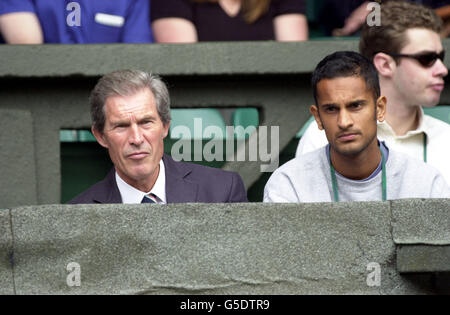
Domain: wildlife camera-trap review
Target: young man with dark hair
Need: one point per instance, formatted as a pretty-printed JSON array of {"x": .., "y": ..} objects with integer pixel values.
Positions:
[
  {"x": 408, "y": 54},
  {"x": 354, "y": 166}
]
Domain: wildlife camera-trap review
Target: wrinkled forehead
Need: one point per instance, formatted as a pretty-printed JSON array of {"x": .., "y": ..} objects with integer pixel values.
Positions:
[{"x": 136, "y": 105}]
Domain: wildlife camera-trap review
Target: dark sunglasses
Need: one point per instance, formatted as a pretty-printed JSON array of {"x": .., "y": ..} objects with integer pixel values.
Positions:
[{"x": 426, "y": 59}]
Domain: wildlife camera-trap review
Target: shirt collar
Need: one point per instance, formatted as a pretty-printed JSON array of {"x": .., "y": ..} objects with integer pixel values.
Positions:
[
  {"x": 130, "y": 194},
  {"x": 383, "y": 147},
  {"x": 423, "y": 127},
  {"x": 159, "y": 189}
]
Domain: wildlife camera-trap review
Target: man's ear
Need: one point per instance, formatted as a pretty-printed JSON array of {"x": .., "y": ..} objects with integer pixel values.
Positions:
[
  {"x": 381, "y": 108},
  {"x": 315, "y": 112},
  {"x": 100, "y": 137},
  {"x": 384, "y": 64},
  {"x": 166, "y": 128}
]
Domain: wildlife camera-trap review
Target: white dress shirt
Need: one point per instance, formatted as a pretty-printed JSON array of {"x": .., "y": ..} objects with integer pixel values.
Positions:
[{"x": 130, "y": 194}]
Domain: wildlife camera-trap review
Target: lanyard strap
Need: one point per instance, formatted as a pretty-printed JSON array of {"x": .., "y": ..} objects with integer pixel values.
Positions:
[
  {"x": 383, "y": 179},
  {"x": 425, "y": 147}
]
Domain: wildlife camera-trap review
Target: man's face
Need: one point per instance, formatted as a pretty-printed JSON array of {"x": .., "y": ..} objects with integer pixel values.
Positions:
[
  {"x": 418, "y": 85},
  {"x": 133, "y": 135},
  {"x": 346, "y": 111}
]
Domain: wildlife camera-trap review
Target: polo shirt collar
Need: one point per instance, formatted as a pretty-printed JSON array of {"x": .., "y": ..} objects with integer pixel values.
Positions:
[{"x": 422, "y": 128}]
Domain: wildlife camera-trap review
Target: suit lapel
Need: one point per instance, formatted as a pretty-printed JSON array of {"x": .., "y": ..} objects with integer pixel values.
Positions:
[
  {"x": 178, "y": 188},
  {"x": 109, "y": 192}
]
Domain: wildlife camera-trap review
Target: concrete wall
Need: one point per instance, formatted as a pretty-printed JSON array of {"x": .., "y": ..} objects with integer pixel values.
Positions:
[
  {"x": 45, "y": 88},
  {"x": 321, "y": 248}
]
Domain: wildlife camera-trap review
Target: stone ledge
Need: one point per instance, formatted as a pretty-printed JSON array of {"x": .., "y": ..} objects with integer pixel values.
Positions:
[
  {"x": 203, "y": 248},
  {"x": 226, "y": 58},
  {"x": 254, "y": 248},
  {"x": 420, "y": 221},
  {"x": 423, "y": 258},
  {"x": 6, "y": 248},
  {"x": 220, "y": 58}
]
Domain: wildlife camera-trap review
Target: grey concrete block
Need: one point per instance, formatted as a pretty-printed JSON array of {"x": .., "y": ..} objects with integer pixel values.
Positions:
[
  {"x": 423, "y": 258},
  {"x": 417, "y": 221},
  {"x": 6, "y": 249},
  {"x": 18, "y": 179},
  {"x": 199, "y": 59},
  {"x": 54, "y": 105},
  {"x": 206, "y": 249}
]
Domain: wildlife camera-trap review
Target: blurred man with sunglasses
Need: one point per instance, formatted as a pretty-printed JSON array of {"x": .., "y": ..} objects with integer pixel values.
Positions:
[{"x": 408, "y": 55}]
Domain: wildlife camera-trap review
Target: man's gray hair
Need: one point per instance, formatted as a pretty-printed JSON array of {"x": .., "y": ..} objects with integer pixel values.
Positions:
[{"x": 128, "y": 83}]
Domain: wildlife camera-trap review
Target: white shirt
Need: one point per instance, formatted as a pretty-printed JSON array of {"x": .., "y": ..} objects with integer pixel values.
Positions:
[
  {"x": 438, "y": 141},
  {"x": 130, "y": 194}
]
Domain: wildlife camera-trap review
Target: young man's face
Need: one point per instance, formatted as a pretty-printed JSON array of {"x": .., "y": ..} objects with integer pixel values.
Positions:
[
  {"x": 133, "y": 135},
  {"x": 416, "y": 84},
  {"x": 346, "y": 111}
]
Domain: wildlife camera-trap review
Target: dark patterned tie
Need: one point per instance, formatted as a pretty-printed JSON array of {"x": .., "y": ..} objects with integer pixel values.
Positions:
[{"x": 147, "y": 200}]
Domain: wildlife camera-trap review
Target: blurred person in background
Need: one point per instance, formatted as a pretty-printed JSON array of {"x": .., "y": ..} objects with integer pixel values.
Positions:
[
  {"x": 187, "y": 21},
  {"x": 444, "y": 13},
  {"x": 77, "y": 22},
  {"x": 346, "y": 17}
]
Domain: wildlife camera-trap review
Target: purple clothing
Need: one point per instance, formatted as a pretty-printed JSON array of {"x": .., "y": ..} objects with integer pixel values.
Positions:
[{"x": 101, "y": 21}]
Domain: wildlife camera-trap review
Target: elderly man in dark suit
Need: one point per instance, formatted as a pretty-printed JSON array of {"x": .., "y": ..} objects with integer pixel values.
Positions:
[{"x": 130, "y": 113}]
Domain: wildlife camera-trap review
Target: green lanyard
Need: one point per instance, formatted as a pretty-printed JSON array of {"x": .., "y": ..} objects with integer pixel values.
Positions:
[
  {"x": 425, "y": 147},
  {"x": 383, "y": 179}
]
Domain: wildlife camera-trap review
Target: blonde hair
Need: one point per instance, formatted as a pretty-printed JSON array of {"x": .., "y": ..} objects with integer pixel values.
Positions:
[{"x": 252, "y": 10}]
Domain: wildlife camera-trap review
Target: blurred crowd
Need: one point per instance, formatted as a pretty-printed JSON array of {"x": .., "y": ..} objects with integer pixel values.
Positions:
[
  {"x": 345, "y": 17},
  {"x": 185, "y": 21}
]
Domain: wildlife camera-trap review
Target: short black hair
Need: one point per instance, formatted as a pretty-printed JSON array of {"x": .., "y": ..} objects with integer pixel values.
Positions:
[{"x": 346, "y": 64}]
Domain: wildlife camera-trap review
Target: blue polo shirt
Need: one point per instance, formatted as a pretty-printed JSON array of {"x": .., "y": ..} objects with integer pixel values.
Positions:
[{"x": 88, "y": 21}]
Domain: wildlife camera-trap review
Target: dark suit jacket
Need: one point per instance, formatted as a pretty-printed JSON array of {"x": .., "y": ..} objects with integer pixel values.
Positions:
[{"x": 185, "y": 182}]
